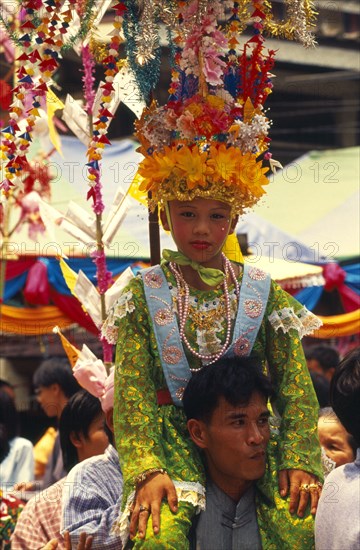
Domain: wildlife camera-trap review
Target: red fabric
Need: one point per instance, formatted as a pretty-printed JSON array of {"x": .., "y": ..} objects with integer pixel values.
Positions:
[
  {"x": 350, "y": 300},
  {"x": 37, "y": 289},
  {"x": 72, "y": 307},
  {"x": 334, "y": 276},
  {"x": 15, "y": 268},
  {"x": 5, "y": 95},
  {"x": 164, "y": 397}
]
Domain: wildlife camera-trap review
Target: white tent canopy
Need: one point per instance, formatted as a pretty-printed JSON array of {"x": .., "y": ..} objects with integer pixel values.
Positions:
[{"x": 316, "y": 199}]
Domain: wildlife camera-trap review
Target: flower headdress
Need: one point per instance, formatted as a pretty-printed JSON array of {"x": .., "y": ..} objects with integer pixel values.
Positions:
[{"x": 211, "y": 137}]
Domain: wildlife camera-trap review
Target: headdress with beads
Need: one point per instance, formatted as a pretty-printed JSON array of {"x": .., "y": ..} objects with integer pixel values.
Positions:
[{"x": 211, "y": 138}]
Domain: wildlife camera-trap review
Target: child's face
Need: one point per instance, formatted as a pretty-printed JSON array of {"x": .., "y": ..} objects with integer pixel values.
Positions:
[
  {"x": 334, "y": 439},
  {"x": 200, "y": 228}
]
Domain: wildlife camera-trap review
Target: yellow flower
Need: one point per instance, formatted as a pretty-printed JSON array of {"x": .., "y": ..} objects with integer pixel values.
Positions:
[
  {"x": 225, "y": 163},
  {"x": 195, "y": 109},
  {"x": 216, "y": 102},
  {"x": 192, "y": 166},
  {"x": 252, "y": 175},
  {"x": 156, "y": 168}
]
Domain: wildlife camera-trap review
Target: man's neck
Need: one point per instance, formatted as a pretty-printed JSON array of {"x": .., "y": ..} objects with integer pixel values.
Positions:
[{"x": 233, "y": 489}]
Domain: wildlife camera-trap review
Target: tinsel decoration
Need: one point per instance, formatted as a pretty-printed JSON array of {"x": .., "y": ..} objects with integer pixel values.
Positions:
[
  {"x": 147, "y": 73},
  {"x": 88, "y": 78},
  {"x": 38, "y": 63},
  {"x": 298, "y": 24},
  {"x": 180, "y": 18},
  {"x": 87, "y": 9},
  {"x": 100, "y": 126}
]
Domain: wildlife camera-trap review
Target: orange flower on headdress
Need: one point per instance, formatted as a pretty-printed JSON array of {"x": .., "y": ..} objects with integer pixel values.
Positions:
[
  {"x": 225, "y": 162},
  {"x": 252, "y": 176},
  {"x": 192, "y": 164},
  {"x": 156, "y": 168}
]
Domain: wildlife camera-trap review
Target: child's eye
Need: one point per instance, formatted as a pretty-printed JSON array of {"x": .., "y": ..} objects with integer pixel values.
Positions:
[
  {"x": 217, "y": 216},
  {"x": 187, "y": 214}
]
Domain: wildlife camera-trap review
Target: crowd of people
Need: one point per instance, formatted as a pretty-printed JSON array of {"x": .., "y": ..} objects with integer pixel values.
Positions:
[{"x": 229, "y": 420}]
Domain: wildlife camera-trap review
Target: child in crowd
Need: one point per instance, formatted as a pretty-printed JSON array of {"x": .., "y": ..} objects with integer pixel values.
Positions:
[
  {"x": 202, "y": 170},
  {"x": 82, "y": 435}
]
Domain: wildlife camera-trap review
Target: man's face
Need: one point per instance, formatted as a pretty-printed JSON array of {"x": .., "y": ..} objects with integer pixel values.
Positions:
[
  {"x": 48, "y": 399},
  {"x": 235, "y": 441}
]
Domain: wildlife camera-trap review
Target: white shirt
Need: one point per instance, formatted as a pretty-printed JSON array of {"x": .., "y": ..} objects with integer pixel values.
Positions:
[{"x": 18, "y": 465}]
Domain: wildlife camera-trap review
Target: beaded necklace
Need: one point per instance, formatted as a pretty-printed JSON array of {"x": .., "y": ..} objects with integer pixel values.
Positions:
[{"x": 183, "y": 294}]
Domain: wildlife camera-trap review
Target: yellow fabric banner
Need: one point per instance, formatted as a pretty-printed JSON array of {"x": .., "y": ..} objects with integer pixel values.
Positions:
[
  {"x": 32, "y": 321},
  {"x": 42, "y": 320},
  {"x": 335, "y": 326}
]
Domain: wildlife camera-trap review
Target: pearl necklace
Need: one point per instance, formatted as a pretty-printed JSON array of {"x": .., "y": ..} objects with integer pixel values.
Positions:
[{"x": 183, "y": 310}]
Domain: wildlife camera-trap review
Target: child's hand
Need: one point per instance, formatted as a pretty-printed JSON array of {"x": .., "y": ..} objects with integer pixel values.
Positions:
[
  {"x": 295, "y": 479},
  {"x": 148, "y": 501}
]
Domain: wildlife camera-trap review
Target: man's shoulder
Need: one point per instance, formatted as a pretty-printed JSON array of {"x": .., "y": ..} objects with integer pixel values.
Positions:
[
  {"x": 20, "y": 443},
  {"x": 347, "y": 472},
  {"x": 50, "y": 496},
  {"x": 106, "y": 465}
]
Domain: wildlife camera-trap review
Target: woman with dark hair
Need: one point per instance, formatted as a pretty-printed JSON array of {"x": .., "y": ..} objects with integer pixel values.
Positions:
[{"x": 16, "y": 453}]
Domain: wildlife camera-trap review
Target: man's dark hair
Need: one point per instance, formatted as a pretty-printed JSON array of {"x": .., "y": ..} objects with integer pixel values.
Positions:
[
  {"x": 329, "y": 414},
  {"x": 56, "y": 370},
  {"x": 345, "y": 393},
  {"x": 8, "y": 423},
  {"x": 77, "y": 416},
  {"x": 321, "y": 387},
  {"x": 327, "y": 356},
  {"x": 234, "y": 379}
]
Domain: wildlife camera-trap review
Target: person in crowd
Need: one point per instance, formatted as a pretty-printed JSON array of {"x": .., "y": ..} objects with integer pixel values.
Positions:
[
  {"x": 173, "y": 300},
  {"x": 82, "y": 435},
  {"x": 322, "y": 388},
  {"x": 322, "y": 359},
  {"x": 337, "y": 522},
  {"x": 8, "y": 388},
  {"x": 92, "y": 503},
  {"x": 54, "y": 384},
  {"x": 16, "y": 453},
  {"x": 228, "y": 420},
  {"x": 338, "y": 445}
]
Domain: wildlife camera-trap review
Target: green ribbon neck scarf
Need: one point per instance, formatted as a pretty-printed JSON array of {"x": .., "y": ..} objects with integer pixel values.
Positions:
[{"x": 209, "y": 275}]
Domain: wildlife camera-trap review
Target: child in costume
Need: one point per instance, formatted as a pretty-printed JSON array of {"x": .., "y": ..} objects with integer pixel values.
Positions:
[{"x": 202, "y": 168}]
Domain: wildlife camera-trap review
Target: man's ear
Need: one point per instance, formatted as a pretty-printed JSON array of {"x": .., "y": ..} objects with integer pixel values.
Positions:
[
  {"x": 233, "y": 224},
  {"x": 75, "y": 440},
  {"x": 164, "y": 220},
  {"x": 109, "y": 418},
  {"x": 197, "y": 431}
]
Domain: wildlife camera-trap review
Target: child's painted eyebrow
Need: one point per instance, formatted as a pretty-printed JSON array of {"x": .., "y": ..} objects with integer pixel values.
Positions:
[{"x": 187, "y": 206}]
